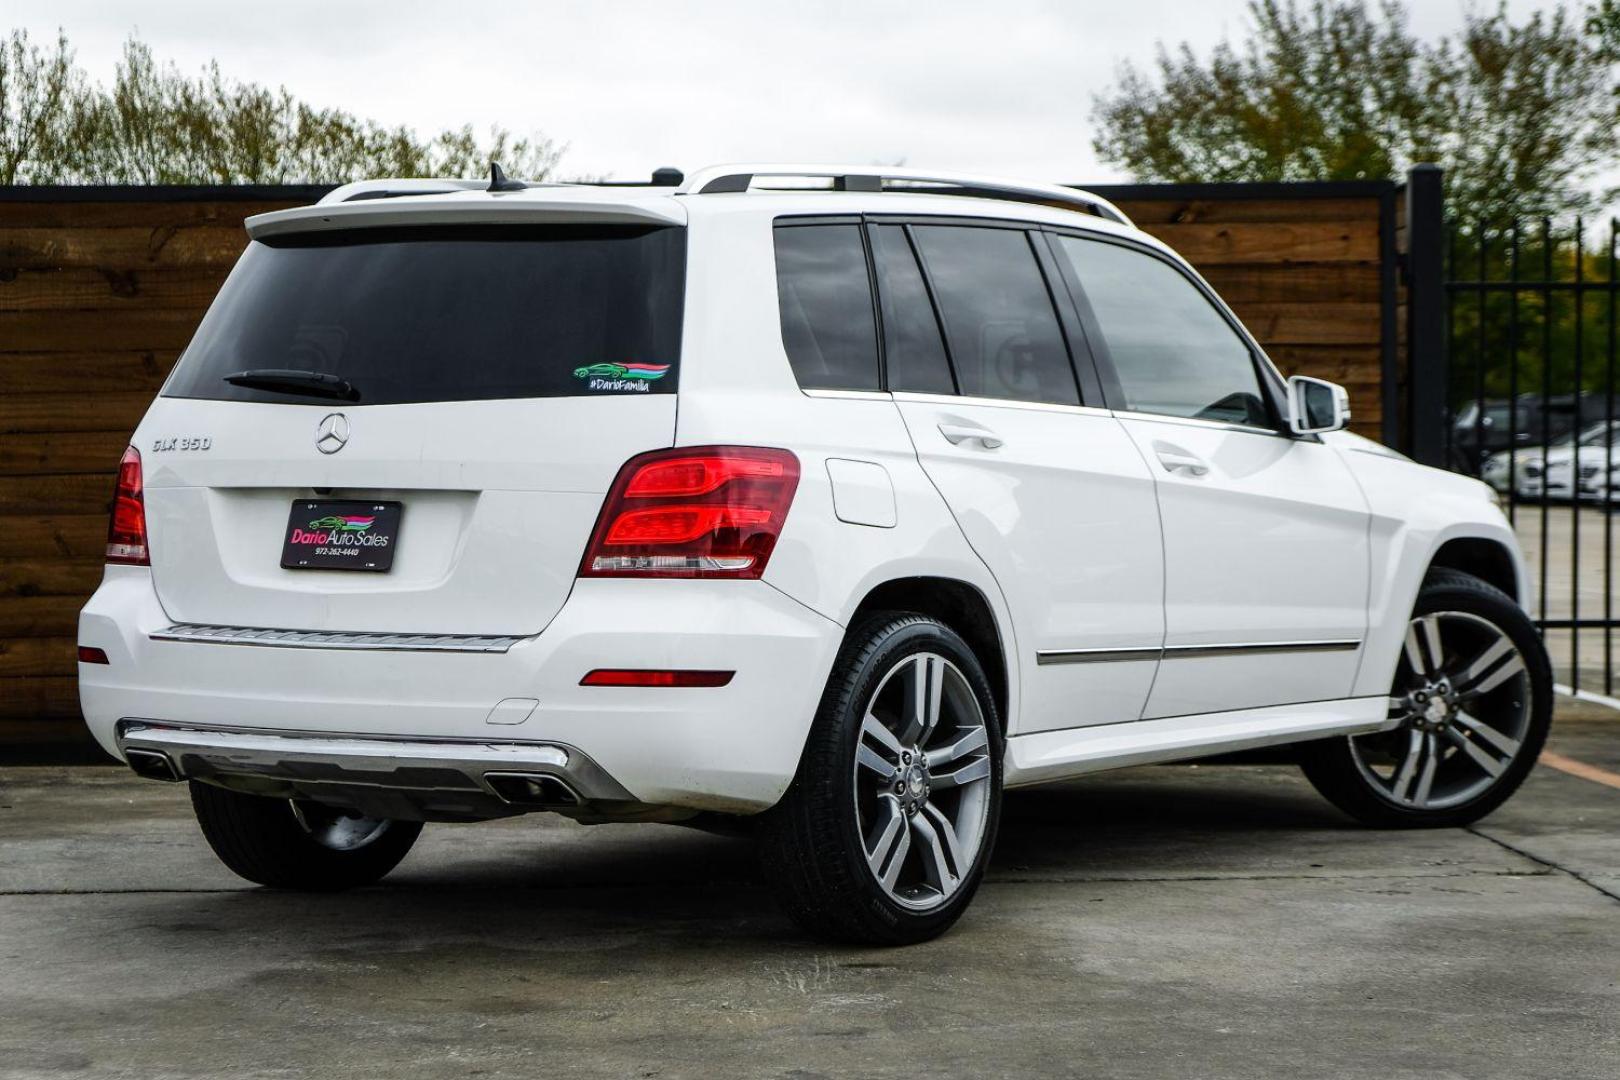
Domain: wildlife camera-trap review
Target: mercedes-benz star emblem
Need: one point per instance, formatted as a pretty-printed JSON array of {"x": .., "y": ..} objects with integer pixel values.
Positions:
[{"x": 333, "y": 433}]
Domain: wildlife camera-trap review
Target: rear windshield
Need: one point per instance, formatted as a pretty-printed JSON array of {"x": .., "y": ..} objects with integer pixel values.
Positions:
[{"x": 446, "y": 314}]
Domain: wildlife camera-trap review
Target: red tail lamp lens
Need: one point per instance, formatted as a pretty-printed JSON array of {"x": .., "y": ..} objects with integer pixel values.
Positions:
[
  {"x": 126, "y": 532},
  {"x": 637, "y": 677},
  {"x": 704, "y": 512}
]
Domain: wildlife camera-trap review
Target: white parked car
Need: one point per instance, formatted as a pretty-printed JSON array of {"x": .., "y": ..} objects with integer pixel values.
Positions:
[
  {"x": 1552, "y": 471},
  {"x": 837, "y": 509}
]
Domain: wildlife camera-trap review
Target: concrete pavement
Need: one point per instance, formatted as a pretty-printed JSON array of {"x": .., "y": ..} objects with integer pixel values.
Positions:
[{"x": 1209, "y": 921}]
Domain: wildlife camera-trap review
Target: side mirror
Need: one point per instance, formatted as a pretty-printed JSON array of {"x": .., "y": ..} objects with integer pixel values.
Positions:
[{"x": 1315, "y": 405}]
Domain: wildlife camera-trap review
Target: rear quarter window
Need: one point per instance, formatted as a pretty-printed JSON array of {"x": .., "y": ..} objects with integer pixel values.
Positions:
[
  {"x": 824, "y": 293},
  {"x": 461, "y": 313}
]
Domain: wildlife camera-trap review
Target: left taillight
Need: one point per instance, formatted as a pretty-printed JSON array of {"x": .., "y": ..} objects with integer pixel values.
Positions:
[
  {"x": 126, "y": 532},
  {"x": 695, "y": 512}
]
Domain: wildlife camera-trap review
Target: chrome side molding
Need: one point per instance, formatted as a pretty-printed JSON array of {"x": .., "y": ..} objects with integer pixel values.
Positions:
[{"x": 1188, "y": 652}]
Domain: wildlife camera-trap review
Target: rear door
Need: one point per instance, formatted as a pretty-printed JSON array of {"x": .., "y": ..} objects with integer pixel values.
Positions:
[
  {"x": 494, "y": 378},
  {"x": 1265, "y": 534},
  {"x": 1048, "y": 489}
]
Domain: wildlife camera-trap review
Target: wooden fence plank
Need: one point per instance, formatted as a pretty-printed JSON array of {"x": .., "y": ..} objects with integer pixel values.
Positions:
[
  {"x": 112, "y": 291},
  {"x": 48, "y": 706},
  {"x": 102, "y": 215},
  {"x": 63, "y": 452},
  {"x": 84, "y": 373},
  {"x": 37, "y": 656},
  {"x": 39, "y": 616},
  {"x": 72, "y": 412},
  {"x": 32, "y": 536},
  {"x": 1286, "y": 244},
  {"x": 1146, "y": 212},
  {"x": 49, "y": 577},
  {"x": 82, "y": 493},
  {"x": 1319, "y": 323},
  {"x": 160, "y": 329},
  {"x": 120, "y": 248}
]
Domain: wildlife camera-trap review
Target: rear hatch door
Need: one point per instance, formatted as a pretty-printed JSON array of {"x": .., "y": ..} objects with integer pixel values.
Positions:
[{"x": 488, "y": 379}]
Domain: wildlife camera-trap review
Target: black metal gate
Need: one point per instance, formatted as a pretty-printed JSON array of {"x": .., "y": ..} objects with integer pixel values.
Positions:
[{"x": 1529, "y": 337}]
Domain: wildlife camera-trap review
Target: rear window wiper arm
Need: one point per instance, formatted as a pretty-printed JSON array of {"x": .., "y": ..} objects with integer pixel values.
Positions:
[{"x": 295, "y": 381}]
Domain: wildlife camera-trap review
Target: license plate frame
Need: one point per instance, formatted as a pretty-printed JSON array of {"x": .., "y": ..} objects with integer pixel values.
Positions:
[{"x": 341, "y": 534}]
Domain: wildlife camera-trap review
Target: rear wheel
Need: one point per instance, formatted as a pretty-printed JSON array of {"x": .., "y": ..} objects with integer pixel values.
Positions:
[
  {"x": 1473, "y": 695},
  {"x": 294, "y": 844},
  {"x": 884, "y": 834}
]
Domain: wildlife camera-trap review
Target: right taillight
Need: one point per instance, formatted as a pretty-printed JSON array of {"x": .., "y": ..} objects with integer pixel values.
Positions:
[
  {"x": 697, "y": 512},
  {"x": 126, "y": 532}
]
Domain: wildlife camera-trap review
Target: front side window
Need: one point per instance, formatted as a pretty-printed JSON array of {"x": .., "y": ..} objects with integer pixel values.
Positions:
[
  {"x": 1173, "y": 352},
  {"x": 1003, "y": 332},
  {"x": 825, "y": 296},
  {"x": 444, "y": 313}
]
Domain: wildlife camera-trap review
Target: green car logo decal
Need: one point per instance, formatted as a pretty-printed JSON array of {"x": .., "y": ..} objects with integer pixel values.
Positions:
[{"x": 633, "y": 377}]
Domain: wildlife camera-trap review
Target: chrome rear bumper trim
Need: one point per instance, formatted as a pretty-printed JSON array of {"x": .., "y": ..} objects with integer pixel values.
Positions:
[
  {"x": 334, "y": 639},
  {"x": 427, "y": 773}
]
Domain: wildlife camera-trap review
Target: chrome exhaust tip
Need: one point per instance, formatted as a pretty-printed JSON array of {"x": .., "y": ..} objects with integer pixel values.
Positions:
[
  {"x": 153, "y": 765},
  {"x": 538, "y": 790}
]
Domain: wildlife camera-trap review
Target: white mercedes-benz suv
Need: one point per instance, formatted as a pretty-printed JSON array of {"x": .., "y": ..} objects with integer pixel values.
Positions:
[{"x": 829, "y": 500}]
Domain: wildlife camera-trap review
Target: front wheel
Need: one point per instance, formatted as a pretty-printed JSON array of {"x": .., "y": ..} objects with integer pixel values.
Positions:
[
  {"x": 307, "y": 846},
  {"x": 1473, "y": 696},
  {"x": 885, "y": 831}
]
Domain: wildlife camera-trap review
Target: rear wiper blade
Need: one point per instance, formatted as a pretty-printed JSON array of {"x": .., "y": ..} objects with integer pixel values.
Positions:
[{"x": 295, "y": 381}]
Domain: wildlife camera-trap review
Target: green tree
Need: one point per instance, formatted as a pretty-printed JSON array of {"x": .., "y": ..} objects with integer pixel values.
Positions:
[
  {"x": 1519, "y": 114},
  {"x": 155, "y": 125}
]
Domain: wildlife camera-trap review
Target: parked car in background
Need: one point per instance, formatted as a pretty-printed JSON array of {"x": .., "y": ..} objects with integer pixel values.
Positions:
[
  {"x": 1530, "y": 422},
  {"x": 972, "y": 485},
  {"x": 1553, "y": 471}
]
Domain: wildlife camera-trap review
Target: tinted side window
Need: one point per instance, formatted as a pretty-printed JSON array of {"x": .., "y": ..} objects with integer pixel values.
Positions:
[
  {"x": 1003, "y": 332},
  {"x": 825, "y": 296},
  {"x": 1173, "y": 351},
  {"x": 913, "y": 347}
]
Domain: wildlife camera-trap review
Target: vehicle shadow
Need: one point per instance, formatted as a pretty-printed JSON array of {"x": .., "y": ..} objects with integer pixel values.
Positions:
[{"x": 529, "y": 878}]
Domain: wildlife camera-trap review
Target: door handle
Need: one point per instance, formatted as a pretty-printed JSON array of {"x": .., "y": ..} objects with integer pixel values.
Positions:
[
  {"x": 956, "y": 434},
  {"x": 1174, "y": 461}
]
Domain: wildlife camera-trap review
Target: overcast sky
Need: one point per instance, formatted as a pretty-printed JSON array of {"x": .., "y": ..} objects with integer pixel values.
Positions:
[{"x": 1001, "y": 86}]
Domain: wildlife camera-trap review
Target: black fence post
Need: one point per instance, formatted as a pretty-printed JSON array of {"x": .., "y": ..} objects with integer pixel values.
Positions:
[{"x": 1427, "y": 370}]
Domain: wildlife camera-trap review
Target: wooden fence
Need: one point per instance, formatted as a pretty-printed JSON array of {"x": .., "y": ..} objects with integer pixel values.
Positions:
[{"x": 100, "y": 289}]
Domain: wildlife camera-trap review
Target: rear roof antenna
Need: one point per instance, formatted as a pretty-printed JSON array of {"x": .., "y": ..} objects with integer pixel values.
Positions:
[
  {"x": 499, "y": 182},
  {"x": 667, "y": 177}
]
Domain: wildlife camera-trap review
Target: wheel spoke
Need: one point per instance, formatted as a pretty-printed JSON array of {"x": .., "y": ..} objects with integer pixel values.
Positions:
[
  {"x": 1402, "y": 784},
  {"x": 1423, "y": 649},
  {"x": 1431, "y": 761},
  {"x": 925, "y": 684},
  {"x": 973, "y": 741},
  {"x": 947, "y": 832},
  {"x": 874, "y": 729},
  {"x": 886, "y": 850},
  {"x": 936, "y": 863},
  {"x": 868, "y": 758},
  {"x": 1504, "y": 745},
  {"x": 1492, "y": 766},
  {"x": 1480, "y": 678},
  {"x": 967, "y": 774}
]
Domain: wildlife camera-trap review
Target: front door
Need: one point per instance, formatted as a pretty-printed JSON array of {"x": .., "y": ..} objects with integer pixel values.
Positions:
[{"x": 1265, "y": 533}]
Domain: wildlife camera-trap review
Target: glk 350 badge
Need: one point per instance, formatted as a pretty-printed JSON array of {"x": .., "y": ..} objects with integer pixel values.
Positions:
[{"x": 182, "y": 442}]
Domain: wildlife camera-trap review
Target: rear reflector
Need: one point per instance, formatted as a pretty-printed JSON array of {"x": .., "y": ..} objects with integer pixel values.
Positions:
[
  {"x": 628, "y": 677},
  {"x": 126, "y": 532},
  {"x": 694, "y": 512},
  {"x": 89, "y": 655}
]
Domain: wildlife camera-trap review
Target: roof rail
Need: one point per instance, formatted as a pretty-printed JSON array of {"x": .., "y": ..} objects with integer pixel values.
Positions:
[
  {"x": 717, "y": 179},
  {"x": 362, "y": 190}
]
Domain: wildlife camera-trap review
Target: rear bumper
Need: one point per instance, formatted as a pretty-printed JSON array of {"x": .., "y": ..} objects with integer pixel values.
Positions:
[{"x": 733, "y": 748}]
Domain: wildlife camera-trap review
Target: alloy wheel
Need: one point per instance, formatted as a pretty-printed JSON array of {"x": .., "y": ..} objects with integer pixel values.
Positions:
[
  {"x": 1462, "y": 699},
  {"x": 922, "y": 781}
]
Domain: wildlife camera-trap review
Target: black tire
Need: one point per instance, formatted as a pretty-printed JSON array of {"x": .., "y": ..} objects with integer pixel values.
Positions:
[
  {"x": 267, "y": 841},
  {"x": 1332, "y": 764},
  {"x": 811, "y": 845}
]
